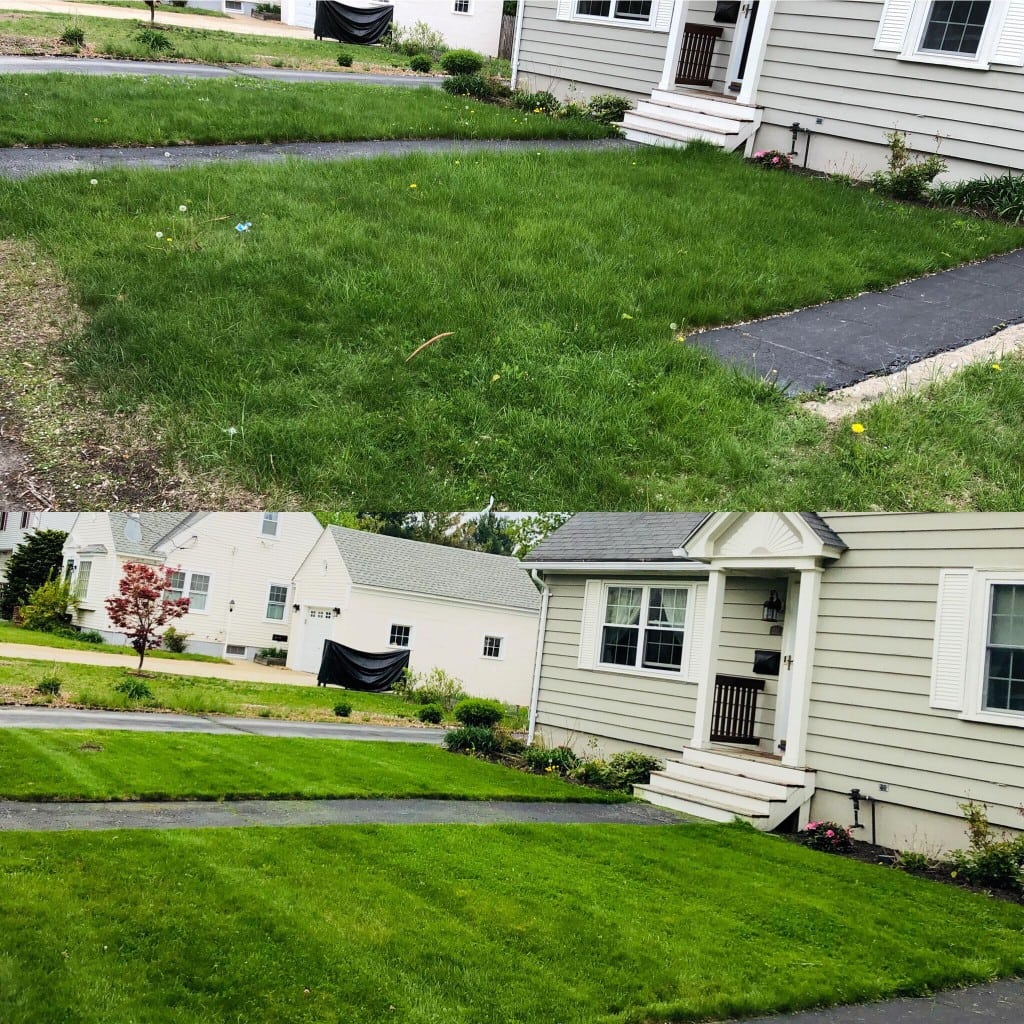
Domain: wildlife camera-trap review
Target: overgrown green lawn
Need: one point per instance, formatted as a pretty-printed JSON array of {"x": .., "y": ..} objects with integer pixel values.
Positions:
[
  {"x": 92, "y": 686},
  {"x": 65, "y": 109},
  {"x": 19, "y": 635},
  {"x": 60, "y": 764},
  {"x": 463, "y": 924},
  {"x": 280, "y": 355}
]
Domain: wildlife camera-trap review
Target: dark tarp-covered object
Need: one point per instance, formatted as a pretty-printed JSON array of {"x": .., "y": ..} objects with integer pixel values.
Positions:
[
  {"x": 359, "y": 670},
  {"x": 350, "y": 24}
]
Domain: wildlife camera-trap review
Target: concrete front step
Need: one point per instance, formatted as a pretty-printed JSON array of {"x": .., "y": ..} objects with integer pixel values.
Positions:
[
  {"x": 721, "y": 781},
  {"x": 689, "y": 118},
  {"x": 706, "y": 105},
  {"x": 749, "y": 767},
  {"x": 738, "y": 803},
  {"x": 649, "y": 138},
  {"x": 708, "y": 810}
]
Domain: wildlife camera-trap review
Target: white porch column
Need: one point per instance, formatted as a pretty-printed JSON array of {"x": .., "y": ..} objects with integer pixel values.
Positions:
[
  {"x": 803, "y": 667},
  {"x": 755, "y": 53},
  {"x": 706, "y": 680},
  {"x": 680, "y": 13}
]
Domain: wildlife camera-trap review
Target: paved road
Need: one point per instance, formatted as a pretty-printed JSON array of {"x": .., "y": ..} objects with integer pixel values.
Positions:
[
  {"x": 141, "y": 721},
  {"x": 103, "y": 66},
  {"x": 58, "y": 817}
]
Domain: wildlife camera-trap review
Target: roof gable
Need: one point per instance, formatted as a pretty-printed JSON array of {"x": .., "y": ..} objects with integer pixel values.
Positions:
[
  {"x": 618, "y": 537},
  {"x": 755, "y": 535}
]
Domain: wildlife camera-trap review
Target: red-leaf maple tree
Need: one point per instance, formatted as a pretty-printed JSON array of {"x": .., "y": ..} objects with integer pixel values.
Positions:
[{"x": 141, "y": 609}]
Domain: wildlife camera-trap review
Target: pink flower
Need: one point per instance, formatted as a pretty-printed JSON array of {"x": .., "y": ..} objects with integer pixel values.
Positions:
[
  {"x": 830, "y": 833},
  {"x": 811, "y": 826},
  {"x": 758, "y": 156},
  {"x": 775, "y": 159}
]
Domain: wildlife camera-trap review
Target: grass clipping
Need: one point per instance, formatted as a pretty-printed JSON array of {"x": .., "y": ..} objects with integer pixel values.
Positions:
[{"x": 58, "y": 445}]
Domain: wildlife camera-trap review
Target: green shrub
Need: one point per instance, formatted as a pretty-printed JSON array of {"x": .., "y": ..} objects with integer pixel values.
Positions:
[
  {"x": 908, "y": 176},
  {"x": 993, "y": 861},
  {"x": 631, "y": 768},
  {"x": 827, "y": 836},
  {"x": 431, "y": 713},
  {"x": 135, "y": 689},
  {"x": 421, "y": 62},
  {"x": 474, "y": 711},
  {"x": 1001, "y": 196},
  {"x": 175, "y": 641},
  {"x": 608, "y": 108},
  {"x": 537, "y": 102},
  {"x": 419, "y": 38},
  {"x": 472, "y": 739},
  {"x": 469, "y": 85},
  {"x": 592, "y": 773},
  {"x": 343, "y": 709},
  {"x": 433, "y": 687},
  {"x": 89, "y": 636},
  {"x": 344, "y": 59},
  {"x": 73, "y": 35},
  {"x": 910, "y": 860},
  {"x": 272, "y": 652},
  {"x": 47, "y": 606},
  {"x": 556, "y": 759},
  {"x": 153, "y": 39},
  {"x": 462, "y": 62},
  {"x": 49, "y": 685}
]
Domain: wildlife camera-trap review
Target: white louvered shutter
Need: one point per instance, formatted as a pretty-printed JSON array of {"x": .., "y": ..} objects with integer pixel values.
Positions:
[
  {"x": 893, "y": 25},
  {"x": 563, "y": 10},
  {"x": 591, "y": 623},
  {"x": 661, "y": 15},
  {"x": 696, "y": 642},
  {"x": 1009, "y": 47},
  {"x": 949, "y": 654}
]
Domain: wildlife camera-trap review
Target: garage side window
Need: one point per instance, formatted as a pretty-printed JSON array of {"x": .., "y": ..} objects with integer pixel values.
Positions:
[{"x": 400, "y": 636}]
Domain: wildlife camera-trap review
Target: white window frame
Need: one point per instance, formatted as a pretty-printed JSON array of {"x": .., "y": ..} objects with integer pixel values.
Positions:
[
  {"x": 187, "y": 589},
  {"x": 917, "y": 25},
  {"x": 611, "y": 19},
  {"x": 401, "y": 625},
  {"x": 468, "y": 10},
  {"x": 284, "y": 604},
  {"x": 645, "y": 586},
  {"x": 500, "y": 656},
  {"x": 276, "y": 535},
  {"x": 80, "y": 592},
  {"x": 659, "y": 20},
  {"x": 978, "y": 631}
]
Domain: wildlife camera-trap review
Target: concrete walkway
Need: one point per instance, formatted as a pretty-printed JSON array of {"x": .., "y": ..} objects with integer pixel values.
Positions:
[
  {"x": 841, "y": 343},
  {"x": 160, "y": 721},
  {"x": 18, "y": 816},
  {"x": 238, "y": 672},
  {"x": 104, "y": 66}
]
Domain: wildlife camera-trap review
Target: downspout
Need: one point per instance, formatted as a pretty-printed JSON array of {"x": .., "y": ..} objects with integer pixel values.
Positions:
[
  {"x": 542, "y": 626},
  {"x": 520, "y": 13}
]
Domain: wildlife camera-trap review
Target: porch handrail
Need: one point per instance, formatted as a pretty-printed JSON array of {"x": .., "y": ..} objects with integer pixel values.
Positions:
[
  {"x": 734, "y": 715},
  {"x": 696, "y": 54}
]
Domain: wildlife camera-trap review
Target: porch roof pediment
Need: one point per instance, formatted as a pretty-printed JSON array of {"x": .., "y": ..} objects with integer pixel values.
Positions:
[{"x": 794, "y": 539}]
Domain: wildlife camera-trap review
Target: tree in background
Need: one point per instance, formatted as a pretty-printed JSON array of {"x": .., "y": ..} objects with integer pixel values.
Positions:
[
  {"x": 528, "y": 532},
  {"x": 141, "y": 608},
  {"x": 35, "y": 560}
]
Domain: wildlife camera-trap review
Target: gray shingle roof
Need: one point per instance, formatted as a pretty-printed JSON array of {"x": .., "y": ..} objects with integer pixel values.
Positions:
[
  {"x": 154, "y": 526},
  {"x": 375, "y": 560},
  {"x": 638, "y": 536}
]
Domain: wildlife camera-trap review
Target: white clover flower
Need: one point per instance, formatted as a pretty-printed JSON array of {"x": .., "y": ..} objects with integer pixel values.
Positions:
[
  {"x": 183, "y": 208},
  {"x": 159, "y": 234},
  {"x": 93, "y": 181}
]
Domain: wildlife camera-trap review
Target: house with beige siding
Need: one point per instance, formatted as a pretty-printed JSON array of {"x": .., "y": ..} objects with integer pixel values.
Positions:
[
  {"x": 472, "y": 614},
  {"x": 784, "y": 663},
  {"x": 823, "y": 80},
  {"x": 235, "y": 568}
]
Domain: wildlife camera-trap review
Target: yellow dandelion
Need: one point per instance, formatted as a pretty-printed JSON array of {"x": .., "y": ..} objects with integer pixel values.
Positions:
[
  {"x": 857, "y": 428},
  {"x": 413, "y": 186},
  {"x": 996, "y": 366}
]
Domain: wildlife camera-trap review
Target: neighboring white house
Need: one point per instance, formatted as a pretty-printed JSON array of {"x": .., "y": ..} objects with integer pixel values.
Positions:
[
  {"x": 16, "y": 526},
  {"x": 464, "y": 24},
  {"x": 781, "y": 661},
  {"x": 472, "y": 614},
  {"x": 235, "y": 567},
  {"x": 823, "y": 80}
]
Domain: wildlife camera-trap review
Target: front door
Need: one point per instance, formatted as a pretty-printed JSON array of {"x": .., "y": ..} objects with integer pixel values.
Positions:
[
  {"x": 786, "y": 666},
  {"x": 740, "y": 49},
  {"x": 318, "y": 624}
]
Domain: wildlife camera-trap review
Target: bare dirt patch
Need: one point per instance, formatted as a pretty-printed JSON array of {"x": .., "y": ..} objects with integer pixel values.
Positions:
[{"x": 59, "y": 447}]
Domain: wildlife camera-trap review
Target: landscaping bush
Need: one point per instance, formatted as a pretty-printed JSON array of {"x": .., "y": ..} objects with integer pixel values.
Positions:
[
  {"x": 592, "y": 773},
  {"x": 419, "y": 38},
  {"x": 343, "y": 709},
  {"x": 998, "y": 862},
  {"x": 153, "y": 39},
  {"x": 1001, "y": 196},
  {"x": 773, "y": 160},
  {"x": 462, "y": 62},
  {"x": 558, "y": 759},
  {"x": 135, "y": 689},
  {"x": 89, "y": 636},
  {"x": 631, "y": 768},
  {"x": 433, "y": 687},
  {"x": 344, "y": 59},
  {"x": 49, "y": 685},
  {"x": 537, "y": 102},
  {"x": 73, "y": 35},
  {"x": 827, "y": 836},
  {"x": 608, "y": 108},
  {"x": 421, "y": 62},
  {"x": 477, "y": 86},
  {"x": 909, "y": 175},
  {"x": 474, "y": 711},
  {"x": 47, "y": 607},
  {"x": 175, "y": 641},
  {"x": 472, "y": 739},
  {"x": 272, "y": 652},
  {"x": 431, "y": 713}
]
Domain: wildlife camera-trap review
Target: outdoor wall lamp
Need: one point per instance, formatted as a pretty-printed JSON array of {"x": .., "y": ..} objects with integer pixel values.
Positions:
[
  {"x": 295, "y": 607},
  {"x": 231, "y": 605},
  {"x": 772, "y": 609},
  {"x": 337, "y": 612}
]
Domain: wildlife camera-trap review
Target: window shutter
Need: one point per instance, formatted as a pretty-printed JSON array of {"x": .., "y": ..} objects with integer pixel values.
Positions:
[
  {"x": 591, "y": 624},
  {"x": 1010, "y": 44},
  {"x": 697, "y": 640},
  {"x": 661, "y": 15},
  {"x": 563, "y": 10},
  {"x": 949, "y": 654},
  {"x": 892, "y": 28}
]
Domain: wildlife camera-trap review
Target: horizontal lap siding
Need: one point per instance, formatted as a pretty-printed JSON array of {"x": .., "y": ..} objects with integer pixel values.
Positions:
[
  {"x": 870, "y": 720},
  {"x": 636, "y": 710},
  {"x": 821, "y": 62}
]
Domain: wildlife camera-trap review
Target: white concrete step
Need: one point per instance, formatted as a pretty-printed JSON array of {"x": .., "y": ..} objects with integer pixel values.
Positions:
[
  {"x": 749, "y": 767},
  {"x": 738, "y": 803},
  {"x": 672, "y": 129},
  {"x": 682, "y": 137},
  {"x": 706, "y": 105},
  {"x": 708, "y": 810},
  {"x": 726, "y": 782},
  {"x": 689, "y": 118}
]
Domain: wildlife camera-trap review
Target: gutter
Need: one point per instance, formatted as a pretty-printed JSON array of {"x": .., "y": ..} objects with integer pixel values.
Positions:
[
  {"x": 684, "y": 564},
  {"x": 541, "y": 629},
  {"x": 520, "y": 13}
]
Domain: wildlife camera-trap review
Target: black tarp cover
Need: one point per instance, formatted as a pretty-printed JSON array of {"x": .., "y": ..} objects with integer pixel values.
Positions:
[
  {"x": 360, "y": 670},
  {"x": 349, "y": 24}
]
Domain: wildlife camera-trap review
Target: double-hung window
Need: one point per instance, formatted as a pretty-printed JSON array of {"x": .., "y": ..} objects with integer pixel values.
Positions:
[
  {"x": 644, "y": 627},
  {"x": 277, "y": 601},
  {"x": 193, "y": 585},
  {"x": 955, "y": 27},
  {"x": 271, "y": 524},
  {"x": 618, "y": 10},
  {"x": 1004, "y": 652},
  {"x": 82, "y": 580}
]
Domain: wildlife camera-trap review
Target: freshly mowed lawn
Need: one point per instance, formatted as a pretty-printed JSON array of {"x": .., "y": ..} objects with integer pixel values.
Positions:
[
  {"x": 280, "y": 355},
  {"x": 72, "y": 110},
  {"x": 64, "y": 764},
  {"x": 462, "y": 924},
  {"x": 18, "y": 635},
  {"x": 92, "y": 686}
]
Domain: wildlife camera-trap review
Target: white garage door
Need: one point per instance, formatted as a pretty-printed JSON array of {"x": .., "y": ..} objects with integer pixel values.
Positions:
[
  {"x": 299, "y": 12},
  {"x": 318, "y": 623}
]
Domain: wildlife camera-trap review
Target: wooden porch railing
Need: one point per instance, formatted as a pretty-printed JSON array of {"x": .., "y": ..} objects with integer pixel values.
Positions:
[
  {"x": 734, "y": 715},
  {"x": 696, "y": 53}
]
